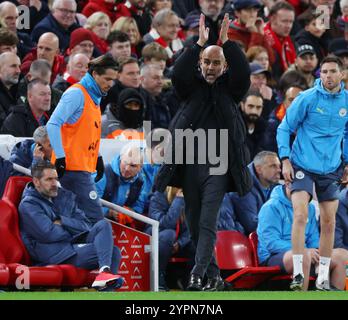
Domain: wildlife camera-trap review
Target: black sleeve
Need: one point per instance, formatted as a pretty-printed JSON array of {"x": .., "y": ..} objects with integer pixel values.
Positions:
[
  {"x": 238, "y": 70},
  {"x": 185, "y": 69}
]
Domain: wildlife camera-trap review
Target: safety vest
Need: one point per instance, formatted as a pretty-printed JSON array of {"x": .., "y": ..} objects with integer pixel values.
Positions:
[{"x": 81, "y": 140}]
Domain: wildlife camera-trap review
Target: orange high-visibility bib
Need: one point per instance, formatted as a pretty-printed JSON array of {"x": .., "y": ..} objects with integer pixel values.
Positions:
[{"x": 81, "y": 140}]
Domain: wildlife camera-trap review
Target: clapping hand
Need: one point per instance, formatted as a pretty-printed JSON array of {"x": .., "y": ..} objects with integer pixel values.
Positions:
[
  {"x": 203, "y": 31},
  {"x": 224, "y": 28}
]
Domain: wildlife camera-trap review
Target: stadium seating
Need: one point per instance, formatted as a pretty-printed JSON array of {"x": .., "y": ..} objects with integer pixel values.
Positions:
[
  {"x": 234, "y": 253},
  {"x": 16, "y": 254},
  {"x": 279, "y": 277}
]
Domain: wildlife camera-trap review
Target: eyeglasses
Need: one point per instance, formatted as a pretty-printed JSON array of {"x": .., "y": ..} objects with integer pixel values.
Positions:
[
  {"x": 86, "y": 45},
  {"x": 66, "y": 11}
]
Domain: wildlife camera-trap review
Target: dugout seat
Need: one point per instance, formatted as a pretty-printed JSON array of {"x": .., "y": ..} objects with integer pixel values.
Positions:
[
  {"x": 15, "y": 256},
  {"x": 277, "y": 277},
  {"x": 234, "y": 254},
  {"x": 70, "y": 276}
]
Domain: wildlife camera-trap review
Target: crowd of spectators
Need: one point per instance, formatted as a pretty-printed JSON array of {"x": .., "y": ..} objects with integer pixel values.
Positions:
[{"x": 284, "y": 42}]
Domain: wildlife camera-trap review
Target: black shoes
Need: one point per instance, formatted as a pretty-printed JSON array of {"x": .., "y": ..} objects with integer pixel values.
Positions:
[
  {"x": 297, "y": 283},
  {"x": 162, "y": 285},
  {"x": 195, "y": 283},
  {"x": 215, "y": 284}
]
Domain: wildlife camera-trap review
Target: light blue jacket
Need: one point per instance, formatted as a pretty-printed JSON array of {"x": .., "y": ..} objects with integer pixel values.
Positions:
[
  {"x": 122, "y": 188},
  {"x": 275, "y": 222},
  {"x": 319, "y": 120}
]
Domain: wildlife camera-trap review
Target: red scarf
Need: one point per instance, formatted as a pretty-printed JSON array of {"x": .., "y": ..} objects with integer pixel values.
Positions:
[
  {"x": 68, "y": 78},
  {"x": 175, "y": 45},
  {"x": 285, "y": 48}
]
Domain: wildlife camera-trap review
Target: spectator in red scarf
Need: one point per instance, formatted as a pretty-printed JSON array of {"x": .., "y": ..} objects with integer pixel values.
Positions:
[
  {"x": 100, "y": 24},
  {"x": 75, "y": 70},
  {"x": 47, "y": 49},
  {"x": 277, "y": 32},
  {"x": 248, "y": 27},
  {"x": 106, "y": 6},
  {"x": 129, "y": 26},
  {"x": 165, "y": 27}
]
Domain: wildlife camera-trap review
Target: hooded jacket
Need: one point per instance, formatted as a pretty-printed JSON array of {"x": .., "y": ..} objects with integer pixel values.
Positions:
[
  {"x": 46, "y": 242},
  {"x": 319, "y": 119},
  {"x": 275, "y": 223},
  {"x": 118, "y": 117},
  {"x": 247, "y": 208}
]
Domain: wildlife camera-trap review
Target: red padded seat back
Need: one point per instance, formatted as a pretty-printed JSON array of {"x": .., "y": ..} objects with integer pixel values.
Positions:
[
  {"x": 253, "y": 242},
  {"x": 12, "y": 249},
  {"x": 233, "y": 250}
]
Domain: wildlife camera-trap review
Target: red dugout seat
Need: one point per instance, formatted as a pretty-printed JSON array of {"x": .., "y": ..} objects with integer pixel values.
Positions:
[
  {"x": 14, "y": 255},
  {"x": 278, "y": 277},
  {"x": 70, "y": 276},
  {"x": 234, "y": 253}
]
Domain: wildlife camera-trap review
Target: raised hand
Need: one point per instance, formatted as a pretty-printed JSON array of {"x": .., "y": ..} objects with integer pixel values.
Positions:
[
  {"x": 203, "y": 31},
  {"x": 224, "y": 28}
]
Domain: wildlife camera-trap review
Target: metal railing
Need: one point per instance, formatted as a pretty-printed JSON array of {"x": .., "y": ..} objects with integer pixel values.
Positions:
[{"x": 134, "y": 215}]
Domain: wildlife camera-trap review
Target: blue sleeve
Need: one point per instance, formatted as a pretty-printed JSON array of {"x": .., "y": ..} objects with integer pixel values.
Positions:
[
  {"x": 184, "y": 238},
  {"x": 161, "y": 211},
  {"x": 270, "y": 229},
  {"x": 345, "y": 144},
  {"x": 295, "y": 115},
  {"x": 313, "y": 238},
  {"x": 39, "y": 226},
  {"x": 341, "y": 222},
  {"x": 246, "y": 210},
  {"x": 68, "y": 110}
]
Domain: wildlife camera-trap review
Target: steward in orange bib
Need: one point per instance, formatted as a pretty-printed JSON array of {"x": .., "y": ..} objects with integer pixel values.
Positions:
[{"x": 74, "y": 130}]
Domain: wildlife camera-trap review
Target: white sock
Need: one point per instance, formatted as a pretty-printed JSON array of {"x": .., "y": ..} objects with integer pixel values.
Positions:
[
  {"x": 324, "y": 268},
  {"x": 297, "y": 260}
]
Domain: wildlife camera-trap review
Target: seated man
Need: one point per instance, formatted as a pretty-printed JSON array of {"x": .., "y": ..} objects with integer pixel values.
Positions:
[
  {"x": 274, "y": 234},
  {"x": 168, "y": 209},
  {"x": 341, "y": 230},
  {"x": 55, "y": 231},
  {"x": 265, "y": 170},
  {"x": 122, "y": 183},
  {"x": 5, "y": 172}
]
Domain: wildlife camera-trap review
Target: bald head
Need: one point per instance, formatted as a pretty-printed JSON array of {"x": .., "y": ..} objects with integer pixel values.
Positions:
[
  {"x": 48, "y": 47},
  {"x": 9, "y": 69},
  {"x": 131, "y": 161},
  {"x": 213, "y": 63},
  {"x": 78, "y": 66},
  {"x": 9, "y": 15}
]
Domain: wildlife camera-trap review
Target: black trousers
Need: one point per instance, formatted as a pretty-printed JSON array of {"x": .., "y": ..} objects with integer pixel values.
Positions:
[{"x": 203, "y": 195}]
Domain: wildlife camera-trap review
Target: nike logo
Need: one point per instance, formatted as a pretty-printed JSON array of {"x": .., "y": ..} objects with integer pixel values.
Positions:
[{"x": 320, "y": 110}]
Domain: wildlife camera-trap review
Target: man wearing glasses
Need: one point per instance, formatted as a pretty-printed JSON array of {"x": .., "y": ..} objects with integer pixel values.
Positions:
[{"x": 61, "y": 21}]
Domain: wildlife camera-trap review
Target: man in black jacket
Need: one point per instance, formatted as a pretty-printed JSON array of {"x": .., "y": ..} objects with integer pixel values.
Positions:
[
  {"x": 209, "y": 101},
  {"x": 24, "y": 119}
]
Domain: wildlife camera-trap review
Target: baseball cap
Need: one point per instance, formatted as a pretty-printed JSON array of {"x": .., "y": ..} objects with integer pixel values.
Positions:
[
  {"x": 338, "y": 46},
  {"x": 304, "y": 49},
  {"x": 256, "y": 68},
  {"x": 242, "y": 4}
]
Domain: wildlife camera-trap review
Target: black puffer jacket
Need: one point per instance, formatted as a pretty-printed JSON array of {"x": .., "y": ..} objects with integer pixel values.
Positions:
[{"x": 224, "y": 95}]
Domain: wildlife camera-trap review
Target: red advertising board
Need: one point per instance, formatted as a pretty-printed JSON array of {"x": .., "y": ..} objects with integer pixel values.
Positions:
[{"x": 135, "y": 262}]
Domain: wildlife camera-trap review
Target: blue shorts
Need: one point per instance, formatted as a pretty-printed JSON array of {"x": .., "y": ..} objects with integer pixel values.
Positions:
[
  {"x": 327, "y": 187},
  {"x": 277, "y": 260}
]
